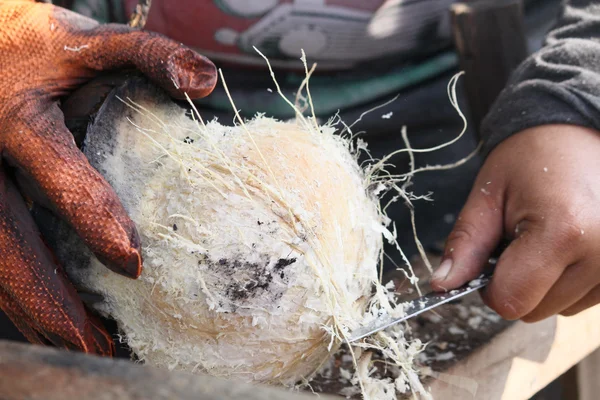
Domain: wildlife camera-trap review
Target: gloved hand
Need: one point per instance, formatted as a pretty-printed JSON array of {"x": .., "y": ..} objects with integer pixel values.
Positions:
[
  {"x": 45, "y": 52},
  {"x": 541, "y": 189}
]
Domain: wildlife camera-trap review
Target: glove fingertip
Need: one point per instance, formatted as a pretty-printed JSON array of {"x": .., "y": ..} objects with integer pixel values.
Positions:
[
  {"x": 190, "y": 73},
  {"x": 133, "y": 265},
  {"x": 129, "y": 266}
]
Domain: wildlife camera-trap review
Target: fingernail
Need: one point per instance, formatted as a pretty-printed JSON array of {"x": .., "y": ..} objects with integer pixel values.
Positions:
[{"x": 443, "y": 270}]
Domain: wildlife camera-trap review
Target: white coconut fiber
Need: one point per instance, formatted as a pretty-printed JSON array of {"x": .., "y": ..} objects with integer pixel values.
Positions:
[{"x": 262, "y": 244}]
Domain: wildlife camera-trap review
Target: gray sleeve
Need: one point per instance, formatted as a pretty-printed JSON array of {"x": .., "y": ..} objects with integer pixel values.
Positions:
[{"x": 559, "y": 84}]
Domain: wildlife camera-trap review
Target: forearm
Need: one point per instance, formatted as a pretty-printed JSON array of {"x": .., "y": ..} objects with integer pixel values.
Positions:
[{"x": 558, "y": 84}]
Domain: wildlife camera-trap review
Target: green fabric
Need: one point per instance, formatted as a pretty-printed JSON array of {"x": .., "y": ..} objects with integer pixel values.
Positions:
[
  {"x": 101, "y": 10},
  {"x": 330, "y": 94}
]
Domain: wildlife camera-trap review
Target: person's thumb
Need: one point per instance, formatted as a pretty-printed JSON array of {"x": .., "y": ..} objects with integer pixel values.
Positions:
[{"x": 477, "y": 232}]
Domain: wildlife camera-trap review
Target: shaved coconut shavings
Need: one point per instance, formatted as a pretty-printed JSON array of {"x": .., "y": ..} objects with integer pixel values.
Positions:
[
  {"x": 475, "y": 282},
  {"x": 445, "y": 356},
  {"x": 455, "y": 330}
]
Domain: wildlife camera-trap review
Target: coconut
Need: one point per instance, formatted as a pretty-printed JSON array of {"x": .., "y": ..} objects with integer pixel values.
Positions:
[{"x": 261, "y": 241}]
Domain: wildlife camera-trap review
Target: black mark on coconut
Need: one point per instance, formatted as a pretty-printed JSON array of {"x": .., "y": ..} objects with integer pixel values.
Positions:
[
  {"x": 241, "y": 291},
  {"x": 281, "y": 264},
  {"x": 175, "y": 227},
  {"x": 284, "y": 262},
  {"x": 243, "y": 280},
  {"x": 188, "y": 140}
]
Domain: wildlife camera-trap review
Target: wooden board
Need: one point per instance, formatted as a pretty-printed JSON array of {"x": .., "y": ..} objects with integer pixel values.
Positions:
[
  {"x": 490, "y": 40},
  {"x": 587, "y": 373},
  {"x": 523, "y": 359},
  {"x": 42, "y": 373}
]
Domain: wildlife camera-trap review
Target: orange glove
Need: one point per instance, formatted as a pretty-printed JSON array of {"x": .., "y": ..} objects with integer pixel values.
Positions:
[{"x": 45, "y": 52}]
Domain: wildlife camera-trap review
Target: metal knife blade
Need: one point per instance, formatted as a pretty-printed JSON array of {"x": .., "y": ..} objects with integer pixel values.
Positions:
[{"x": 418, "y": 306}]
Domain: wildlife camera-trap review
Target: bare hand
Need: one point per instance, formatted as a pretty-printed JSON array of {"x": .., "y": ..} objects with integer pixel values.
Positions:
[{"x": 540, "y": 188}]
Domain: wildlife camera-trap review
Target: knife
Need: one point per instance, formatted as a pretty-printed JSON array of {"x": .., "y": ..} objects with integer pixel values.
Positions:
[{"x": 419, "y": 306}]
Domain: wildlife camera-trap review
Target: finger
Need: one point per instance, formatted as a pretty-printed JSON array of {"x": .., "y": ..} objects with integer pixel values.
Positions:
[
  {"x": 171, "y": 65},
  {"x": 34, "y": 292},
  {"x": 43, "y": 149},
  {"x": 589, "y": 300},
  {"x": 22, "y": 322},
  {"x": 474, "y": 237},
  {"x": 575, "y": 282},
  {"x": 530, "y": 266}
]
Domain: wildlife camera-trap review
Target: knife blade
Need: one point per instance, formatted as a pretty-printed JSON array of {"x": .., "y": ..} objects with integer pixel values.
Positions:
[{"x": 419, "y": 306}]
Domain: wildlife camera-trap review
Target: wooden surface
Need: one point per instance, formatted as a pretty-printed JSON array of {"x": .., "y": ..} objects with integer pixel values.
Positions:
[
  {"x": 41, "y": 373},
  {"x": 588, "y": 377},
  {"x": 490, "y": 40},
  {"x": 523, "y": 359}
]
